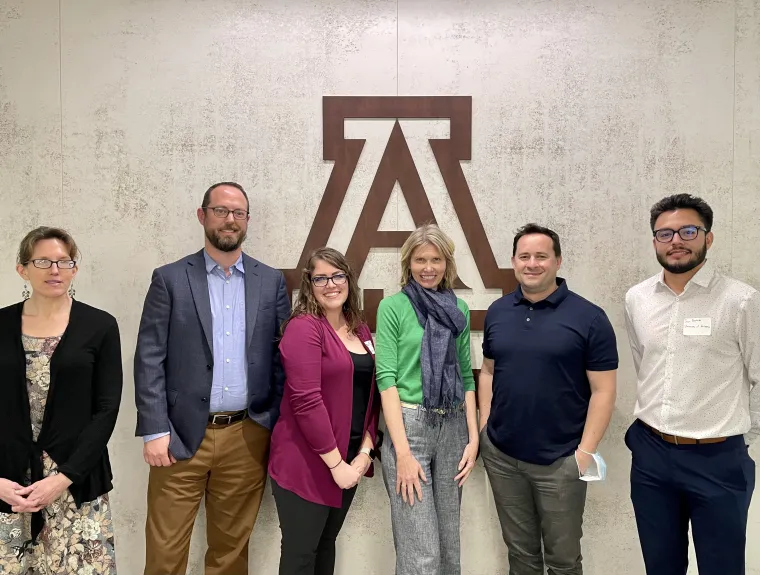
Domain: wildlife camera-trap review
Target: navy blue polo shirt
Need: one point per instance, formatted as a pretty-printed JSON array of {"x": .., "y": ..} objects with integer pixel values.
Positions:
[{"x": 541, "y": 353}]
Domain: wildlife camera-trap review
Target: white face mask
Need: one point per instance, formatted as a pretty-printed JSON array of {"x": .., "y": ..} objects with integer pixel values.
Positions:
[{"x": 597, "y": 469}]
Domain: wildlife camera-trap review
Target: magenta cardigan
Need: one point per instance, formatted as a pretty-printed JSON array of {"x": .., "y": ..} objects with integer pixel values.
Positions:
[{"x": 315, "y": 415}]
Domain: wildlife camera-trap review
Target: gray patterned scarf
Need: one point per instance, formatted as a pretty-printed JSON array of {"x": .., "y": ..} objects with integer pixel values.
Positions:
[{"x": 442, "y": 321}]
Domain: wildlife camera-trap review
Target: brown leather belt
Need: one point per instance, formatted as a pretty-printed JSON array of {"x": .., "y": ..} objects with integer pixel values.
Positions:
[
  {"x": 226, "y": 418},
  {"x": 677, "y": 440}
]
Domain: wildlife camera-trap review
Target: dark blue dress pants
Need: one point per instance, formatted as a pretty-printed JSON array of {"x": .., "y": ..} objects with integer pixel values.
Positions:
[{"x": 708, "y": 484}]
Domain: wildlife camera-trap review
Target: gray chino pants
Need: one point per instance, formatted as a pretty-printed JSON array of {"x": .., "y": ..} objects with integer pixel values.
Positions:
[
  {"x": 426, "y": 536},
  {"x": 535, "y": 503}
]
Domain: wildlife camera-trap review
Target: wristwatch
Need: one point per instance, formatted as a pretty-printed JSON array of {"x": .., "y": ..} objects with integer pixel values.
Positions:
[{"x": 368, "y": 452}]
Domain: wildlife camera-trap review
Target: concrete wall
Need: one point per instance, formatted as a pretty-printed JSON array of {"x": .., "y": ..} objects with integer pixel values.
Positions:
[{"x": 115, "y": 116}]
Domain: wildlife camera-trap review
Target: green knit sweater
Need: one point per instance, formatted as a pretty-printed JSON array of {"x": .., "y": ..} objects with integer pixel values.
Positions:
[{"x": 398, "y": 340}]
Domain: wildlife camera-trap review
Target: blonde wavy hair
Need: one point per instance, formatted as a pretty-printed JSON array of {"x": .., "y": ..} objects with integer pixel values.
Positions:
[
  {"x": 429, "y": 234},
  {"x": 307, "y": 304}
]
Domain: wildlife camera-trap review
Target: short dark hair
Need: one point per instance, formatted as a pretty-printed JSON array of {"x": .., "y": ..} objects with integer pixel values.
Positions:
[
  {"x": 207, "y": 195},
  {"x": 536, "y": 229},
  {"x": 682, "y": 202}
]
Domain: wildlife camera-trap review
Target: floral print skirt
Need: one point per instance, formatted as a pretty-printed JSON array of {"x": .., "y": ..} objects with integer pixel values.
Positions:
[{"x": 74, "y": 541}]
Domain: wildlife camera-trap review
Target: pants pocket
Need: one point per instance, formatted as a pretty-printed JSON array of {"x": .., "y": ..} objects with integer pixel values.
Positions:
[
  {"x": 574, "y": 467},
  {"x": 626, "y": 437},
  {"x": 749, "y": 471},
  {"x": 484, "y": 440}
]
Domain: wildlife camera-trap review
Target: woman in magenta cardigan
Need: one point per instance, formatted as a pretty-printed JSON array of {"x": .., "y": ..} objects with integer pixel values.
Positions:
[{"x": 323, "y": 442}]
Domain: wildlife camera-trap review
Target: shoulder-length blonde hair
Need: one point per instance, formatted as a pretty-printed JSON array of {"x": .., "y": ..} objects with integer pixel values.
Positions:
[
  {"x": 307, "y": 304},
  {"x": 429, "y": 234}
]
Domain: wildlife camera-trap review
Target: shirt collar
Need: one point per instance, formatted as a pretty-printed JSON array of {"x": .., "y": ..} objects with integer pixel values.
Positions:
[
  {"x": 702, "y": 278},
  {"x": 211, "y": 264},
  {"x": 554, "y": 299}
]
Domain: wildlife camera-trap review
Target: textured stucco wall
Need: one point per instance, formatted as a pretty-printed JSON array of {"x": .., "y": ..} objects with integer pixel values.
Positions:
[{"x": 115, "y": 116}]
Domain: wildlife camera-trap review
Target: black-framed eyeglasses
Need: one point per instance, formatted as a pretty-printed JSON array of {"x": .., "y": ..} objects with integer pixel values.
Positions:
[
  {"x": 222, "y": 212},
  {"x": 686, "y": 233},
  {"x": 337, "y": 280},
  {"x": 44, "y": 264}
]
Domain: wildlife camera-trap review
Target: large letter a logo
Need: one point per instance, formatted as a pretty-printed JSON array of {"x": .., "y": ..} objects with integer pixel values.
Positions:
[{"x": 397, "y": 165}]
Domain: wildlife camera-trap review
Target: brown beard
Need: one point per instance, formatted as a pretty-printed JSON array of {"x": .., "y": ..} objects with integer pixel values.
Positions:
[
  {"x": 225, "y": 243},
  {"x": 697, "y": 257}
]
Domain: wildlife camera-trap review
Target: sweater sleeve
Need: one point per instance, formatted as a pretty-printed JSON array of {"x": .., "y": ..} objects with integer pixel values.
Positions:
[
  {"x": 386, "y": 345},
  {"x": 463, "y": 351},
  {"x": 106, "y": 398},
  {"x": 301, "y": 355}
]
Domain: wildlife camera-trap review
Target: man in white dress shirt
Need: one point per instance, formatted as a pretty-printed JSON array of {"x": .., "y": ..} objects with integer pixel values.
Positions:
[{"x": 695, "y": 339}]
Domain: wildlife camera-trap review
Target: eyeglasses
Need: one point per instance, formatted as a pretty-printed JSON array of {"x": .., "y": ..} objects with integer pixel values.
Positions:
[
  {"x": 322, "y": 281},
  {"x": 44, "y": 264},
  {"x": 222, "y": 212},
  {"x": 686, "y": 233}
]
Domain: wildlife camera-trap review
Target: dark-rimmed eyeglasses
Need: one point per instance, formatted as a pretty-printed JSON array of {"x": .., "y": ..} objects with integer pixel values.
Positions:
[
  {"x": 337, "y": 280},
  {"x": 44, "y": 264},
  {"x": 686, "y": 233},
  {"x": 222, "y": 212}
]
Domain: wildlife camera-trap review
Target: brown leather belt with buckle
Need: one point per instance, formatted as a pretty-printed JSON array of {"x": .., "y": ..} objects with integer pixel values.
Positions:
[
  {"x": 226, "y": 418},
  {"x": 677, "y": 440}
]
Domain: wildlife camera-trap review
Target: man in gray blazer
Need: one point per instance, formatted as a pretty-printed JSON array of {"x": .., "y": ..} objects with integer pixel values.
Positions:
[{"x": 208, "y": 385}]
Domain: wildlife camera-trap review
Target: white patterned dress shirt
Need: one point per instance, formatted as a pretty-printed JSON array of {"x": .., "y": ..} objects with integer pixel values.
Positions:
[{"x": 697, "y": 355}]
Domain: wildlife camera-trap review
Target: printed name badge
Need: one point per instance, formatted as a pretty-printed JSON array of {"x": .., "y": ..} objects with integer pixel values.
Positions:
[
  {"x": 371, "y": 349},
  {"x": 697, "y": 326}
]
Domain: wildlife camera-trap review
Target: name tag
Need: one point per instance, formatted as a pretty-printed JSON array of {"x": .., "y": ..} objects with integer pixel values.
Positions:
[
  {"x": 697, "y": 326},
  {"x": 370, "y": 347}
]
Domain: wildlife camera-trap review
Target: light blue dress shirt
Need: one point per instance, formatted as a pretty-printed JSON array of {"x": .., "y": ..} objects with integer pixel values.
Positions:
[{"x": 229, "y": 387}]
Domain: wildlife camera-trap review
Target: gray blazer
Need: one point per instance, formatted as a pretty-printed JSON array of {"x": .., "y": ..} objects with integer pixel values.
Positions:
[{"x": 174, "y": 359}]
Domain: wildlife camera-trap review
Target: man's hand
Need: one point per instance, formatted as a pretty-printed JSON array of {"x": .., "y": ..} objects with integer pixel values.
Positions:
[
  {"x": 156, "y": 452},
  {"x": 584, "y": 460}
]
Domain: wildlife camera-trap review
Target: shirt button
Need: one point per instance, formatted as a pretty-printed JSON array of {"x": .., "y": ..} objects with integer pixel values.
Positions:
[
  {"x": 228, "y": 333},
  {"x": 228, "y": 360},
  {"x": 527, "y": 319},
  {"x": 226, "y": 388},
  {"x": 228, "y": 281},
  {"x": 228, "y": 307}
]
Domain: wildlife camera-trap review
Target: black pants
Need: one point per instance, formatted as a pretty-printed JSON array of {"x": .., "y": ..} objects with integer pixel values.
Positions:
[
  {"x": 309, "y": 531},
  {"x": 709, "y": 485}
]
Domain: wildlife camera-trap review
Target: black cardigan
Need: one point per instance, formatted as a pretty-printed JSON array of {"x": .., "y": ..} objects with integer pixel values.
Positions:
[{"x": 81, "y": 410}]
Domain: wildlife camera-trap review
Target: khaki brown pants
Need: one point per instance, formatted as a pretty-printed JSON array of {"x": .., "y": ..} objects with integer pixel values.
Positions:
[{"x": 230, "y": 469}]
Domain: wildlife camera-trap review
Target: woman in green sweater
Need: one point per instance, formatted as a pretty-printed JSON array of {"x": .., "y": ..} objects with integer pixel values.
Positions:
[{"x": 427, "y": 389}]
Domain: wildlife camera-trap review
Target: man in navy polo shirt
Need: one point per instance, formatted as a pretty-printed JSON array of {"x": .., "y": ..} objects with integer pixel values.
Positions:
[{"x": 546, "y": 394}]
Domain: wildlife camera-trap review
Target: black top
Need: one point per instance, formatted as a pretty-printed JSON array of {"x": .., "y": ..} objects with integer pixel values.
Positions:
[
  {"x": 541, "y": 354},
  {"x": 81, "y": 408},
  {"x": 364, "y": 367}
]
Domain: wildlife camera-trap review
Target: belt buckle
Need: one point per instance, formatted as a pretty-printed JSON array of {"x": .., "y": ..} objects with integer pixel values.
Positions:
[
  {"x": 675, "y": 438},
  {"x": 221, "y": 415}
]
